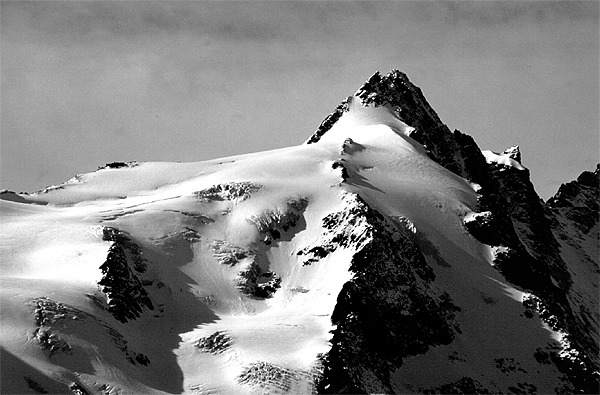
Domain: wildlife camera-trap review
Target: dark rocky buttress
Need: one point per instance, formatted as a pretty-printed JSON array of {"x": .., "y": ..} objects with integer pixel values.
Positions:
[
  {"x": 578, "y": 202},
  {"x": 126, "y": 295},
  {"x": 388, "y": 311}
]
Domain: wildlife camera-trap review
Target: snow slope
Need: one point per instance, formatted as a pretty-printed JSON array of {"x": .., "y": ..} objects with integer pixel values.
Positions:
[{"x": 267, "y": 273}]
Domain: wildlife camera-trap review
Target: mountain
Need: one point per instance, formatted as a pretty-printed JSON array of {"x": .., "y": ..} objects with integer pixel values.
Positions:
[{"x": 387, "y": 254}]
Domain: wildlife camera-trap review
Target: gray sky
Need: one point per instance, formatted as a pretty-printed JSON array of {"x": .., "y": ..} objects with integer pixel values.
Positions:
[{"x": 87, "y": 83}]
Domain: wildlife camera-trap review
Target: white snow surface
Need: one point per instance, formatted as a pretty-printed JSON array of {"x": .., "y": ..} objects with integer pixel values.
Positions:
[
  {"x": 503, "y": 159},
  {"x": 55, "y": 250}
]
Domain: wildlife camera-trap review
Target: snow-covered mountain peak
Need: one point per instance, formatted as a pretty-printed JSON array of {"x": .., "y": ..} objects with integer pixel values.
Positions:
[
  {"x": 386, "y": 248},
  {"x": 391, "y": 98},
  {"x": 394, "y": 89}
]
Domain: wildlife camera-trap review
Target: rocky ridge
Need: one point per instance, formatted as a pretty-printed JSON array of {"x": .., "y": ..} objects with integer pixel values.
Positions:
[{"x": 512, "y": 219}]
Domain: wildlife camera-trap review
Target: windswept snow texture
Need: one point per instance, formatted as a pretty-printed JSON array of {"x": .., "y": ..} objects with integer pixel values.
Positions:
[{"x": 386, "y": 255}]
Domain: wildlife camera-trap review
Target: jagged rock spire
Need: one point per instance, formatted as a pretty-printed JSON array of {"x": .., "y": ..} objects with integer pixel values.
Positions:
[
  {"x": 407, "y": 100},
  {"x": 393, "y": 89}
]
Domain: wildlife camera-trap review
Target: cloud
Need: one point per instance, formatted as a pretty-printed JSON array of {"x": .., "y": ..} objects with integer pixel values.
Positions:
[
  {"x": 85, "y": 22},
  {"x": 100, "y": 81},
  {"x": 500, "y": 13}
]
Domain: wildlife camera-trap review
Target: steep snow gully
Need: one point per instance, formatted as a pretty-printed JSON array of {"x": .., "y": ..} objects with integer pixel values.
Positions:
[{"x": 387, "y": 254}]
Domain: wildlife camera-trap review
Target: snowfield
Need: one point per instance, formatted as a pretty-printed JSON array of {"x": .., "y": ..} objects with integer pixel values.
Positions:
[{"x": 222, "y": 277}]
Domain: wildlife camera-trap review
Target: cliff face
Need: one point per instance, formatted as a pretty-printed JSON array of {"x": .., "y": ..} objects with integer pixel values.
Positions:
[
  {"x": 389, "y": 310},
  {"x": 576, "y": 203},
  {"x": 574, "y": 213},
  {"x": 125, "y": 294}
]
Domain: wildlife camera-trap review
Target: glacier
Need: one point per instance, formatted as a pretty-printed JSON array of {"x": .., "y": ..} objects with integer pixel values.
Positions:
[{"x": 386, "y": 254}]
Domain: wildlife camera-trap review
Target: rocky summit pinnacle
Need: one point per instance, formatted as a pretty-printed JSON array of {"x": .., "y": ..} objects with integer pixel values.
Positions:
[{"x": 395, "y": 91}]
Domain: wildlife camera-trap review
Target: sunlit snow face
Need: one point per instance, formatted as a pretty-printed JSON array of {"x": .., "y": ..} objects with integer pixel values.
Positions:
[{"x": 245, "y": 260}]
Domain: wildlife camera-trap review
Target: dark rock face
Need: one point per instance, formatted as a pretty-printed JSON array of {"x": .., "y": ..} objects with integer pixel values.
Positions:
[
  {"x": 230, "y": 191},
  {"x": 531, "y": 258},
  {"x": 533, "y": 262},
  {"x": 34, "y": 385},
  {"x": 257, "y": 280},
  {"x": 455, "y": 151},
  {"x": 118, "y": 165},
  {"x": 228, "y": 254},
  {"x": 56, "y": 321},
  {"x": 265, "y": 377},
  {"x": 405, "y": 99},
  {"x": 520, "y": 224},
  {"x": 126, "y": 295},
  {"x": 465, "y": 385},
  {"x": 388, "y": 311},
  {"x": 216, "y": 343},
  {"x": 342, "y": 229},
  {"x": 329, "y": 121},
  {"x": 578, "y": 202},
  {"x": 350, "y": 146},
  {"x": 134, "y": 252},
  {"x": 577, "y": 367},
  {"x": 46, "y": 314},
  {"x": 575, "y": 219},
  {"x": 271, "y": 224},
  {"x": 344, "y": 171},
  {"x": 482, "y": 225},
  {"x": 254, "y": 281}
]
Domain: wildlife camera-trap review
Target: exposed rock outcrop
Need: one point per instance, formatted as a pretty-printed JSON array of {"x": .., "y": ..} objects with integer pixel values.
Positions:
[
  {"x": 229, "y": 254},
  {"x": 273, "y": 222},
  {"x": 236, "y": 191},
  {"x": 216, "y": 343},
  {"x": 578, "y": 202},
  {"x": 256, "y": 281},
  {"x": 57, "y": 322},
  {"x": 388, "y": 274},
  {"x": 118, "y": 165},
  {"x": 465, "y": 385},
  {"x": 456, "y": 151},
  {"x": 389, "y": 310},
  {"x": 329, "y": 121},
  {"x": 126, "y": 296},
  {"x": 265, "y": 377}
]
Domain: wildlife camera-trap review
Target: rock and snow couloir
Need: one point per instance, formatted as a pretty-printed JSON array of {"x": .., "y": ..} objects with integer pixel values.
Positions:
[{"x": 387, "y": 254}]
